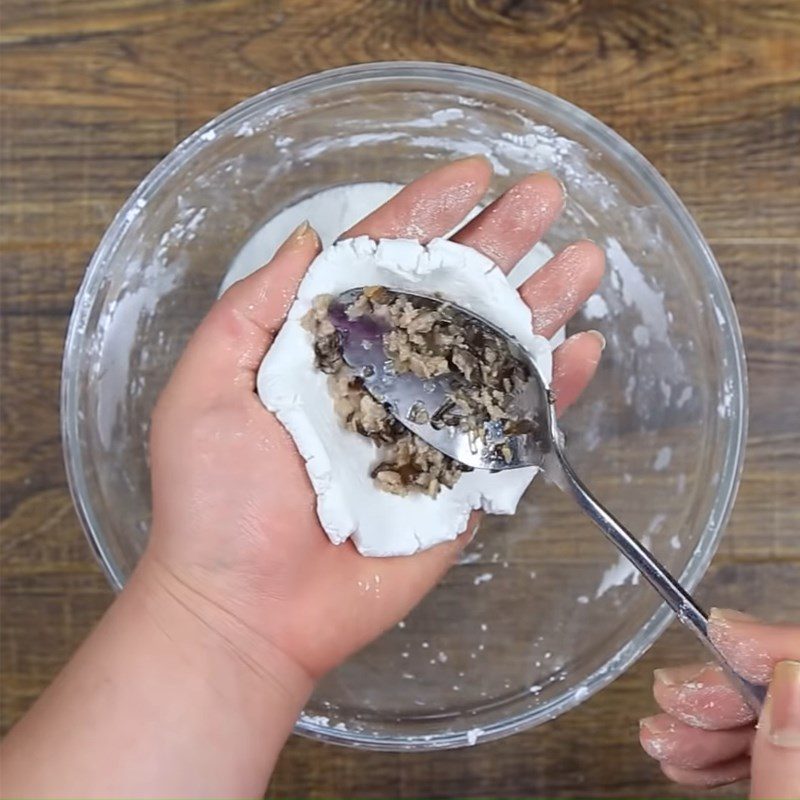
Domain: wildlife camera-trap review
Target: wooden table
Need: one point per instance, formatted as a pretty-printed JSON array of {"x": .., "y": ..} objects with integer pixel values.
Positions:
[{"x": 97, "y": 91}]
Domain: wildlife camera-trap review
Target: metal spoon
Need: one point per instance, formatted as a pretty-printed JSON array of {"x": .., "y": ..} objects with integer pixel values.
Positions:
[{"x": 408, "y": 396}]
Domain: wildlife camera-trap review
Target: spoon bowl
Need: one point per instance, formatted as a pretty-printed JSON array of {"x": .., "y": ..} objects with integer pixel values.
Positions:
[{"x": 414, "y": 401}]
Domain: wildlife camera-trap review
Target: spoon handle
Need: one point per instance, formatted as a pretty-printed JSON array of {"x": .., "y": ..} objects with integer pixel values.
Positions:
[{"x": 676, "y": 597}]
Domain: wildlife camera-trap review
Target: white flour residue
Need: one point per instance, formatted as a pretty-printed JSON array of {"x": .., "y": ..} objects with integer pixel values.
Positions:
[
  {"x": 595, "y": 307},
  {"x": 684, "y": 397},
  {"x": 630, "y": 388},
  {"x": 472, "y": 735},
  {"x": 636, "y": 290},
  {"x": 662, "y": 459},
  {"x": 641, "y": 336},
  {"x": 319, "y": 720},
  {"x": 656, "y": 524},
  {"x": 581, "y": 693},
  {"x": 134, "y": 303},
  {"x": 617, "y": 574},
  {"x": 725, "y": 407}
]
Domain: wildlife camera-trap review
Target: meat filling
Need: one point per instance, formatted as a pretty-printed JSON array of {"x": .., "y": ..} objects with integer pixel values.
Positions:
[{"x": 428, "y": 339}]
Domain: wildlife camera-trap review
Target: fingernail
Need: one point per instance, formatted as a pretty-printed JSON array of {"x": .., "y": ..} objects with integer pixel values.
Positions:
[
  {"x": 300, "y": 235},
  {"x": 563, "y": 191},
  {"x": 738, "y": 636},
  {"x": 658, "y": 725},
  {"x": 475, "y": 157},
  {"x": 725, "y": 615},
  {"x": 677, "y": 676},
  {"x": 600, "y": 338},
  {"x": 781, "y": 715},
  {"x": 668, "y": 676},
  {"x": 301, "y": 230}
]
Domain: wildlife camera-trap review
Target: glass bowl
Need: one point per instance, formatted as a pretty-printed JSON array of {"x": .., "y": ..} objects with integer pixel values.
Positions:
[{"x": 541, "y": 613}]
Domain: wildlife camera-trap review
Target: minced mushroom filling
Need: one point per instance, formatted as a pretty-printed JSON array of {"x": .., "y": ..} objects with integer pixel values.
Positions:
[{"x": 428, "y": 339}]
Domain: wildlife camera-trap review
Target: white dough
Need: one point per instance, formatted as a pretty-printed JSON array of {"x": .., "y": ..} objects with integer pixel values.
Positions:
[{"x": 339, "y": 461}]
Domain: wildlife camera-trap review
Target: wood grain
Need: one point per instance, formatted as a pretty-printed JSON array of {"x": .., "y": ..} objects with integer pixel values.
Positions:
[{"x": 95, "y": 92}]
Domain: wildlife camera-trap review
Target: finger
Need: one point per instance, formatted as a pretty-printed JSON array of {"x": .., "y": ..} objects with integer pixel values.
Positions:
[
  {"x": 574, "y": 365},
  {"x": 430, "y": 206},
  {"x": 510, "y": 226},
  {"x": 752, "y": 647},
  {"x": 776, "y": 750},
  {"x": 226, "y": 350},
  {"x": 556, "y": 291},
  {"x": 719, "y": 775},
  {"x": 671, "y": 741},
  {"x": 700, "y": 695}
]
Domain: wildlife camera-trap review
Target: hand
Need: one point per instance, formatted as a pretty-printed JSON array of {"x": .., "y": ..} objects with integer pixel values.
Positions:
[
  {"x": 234, "y": 524},
  {"x": 191, "y": 682},
  {"x": 707, "y": 736}
]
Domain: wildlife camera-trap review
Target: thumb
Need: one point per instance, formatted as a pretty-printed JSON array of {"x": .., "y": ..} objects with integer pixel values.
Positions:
[
  {"x": 767, "y": 653},
  {"x": 775, "y": 767},
  {"x": 223, "y": 356}
]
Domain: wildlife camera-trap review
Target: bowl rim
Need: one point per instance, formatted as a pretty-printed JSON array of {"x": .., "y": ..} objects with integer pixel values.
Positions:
[{"x": 465, "y": 78}]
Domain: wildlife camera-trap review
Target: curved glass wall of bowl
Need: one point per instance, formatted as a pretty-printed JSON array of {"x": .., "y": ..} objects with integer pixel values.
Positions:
[{"x": 660, "y": 433}]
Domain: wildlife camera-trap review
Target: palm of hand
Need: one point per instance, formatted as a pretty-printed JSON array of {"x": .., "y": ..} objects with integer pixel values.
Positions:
[{"x": 234, "y": 512}]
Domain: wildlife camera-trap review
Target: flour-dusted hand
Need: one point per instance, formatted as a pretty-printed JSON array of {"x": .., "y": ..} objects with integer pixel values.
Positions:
[
  {"x": 234, "y": 518},
  {"x": 708, "y": 736}
]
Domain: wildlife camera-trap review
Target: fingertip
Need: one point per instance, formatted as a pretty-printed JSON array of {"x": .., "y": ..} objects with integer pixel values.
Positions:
[
  {"x": 736, "y": 770},
  {"x": 548, "y": 188},
  {"x": 479, "y": 165},
  {"x": 233, "y": 338},
  {"x": 580, "y": 265},
  {"x": 515, "y": 221},
  {"x": 451, "y": 550},
  {"x": 431, "y": 205},
  {"x": 303, "y": 239},
  {"x": 574, "y": 365},
  {"x": 599, "y": 338},
  {"x": 700, "y": 696},
  {"x": 592, "y": 258},
  {"x": 557, "y": 291},
  {"x": 591, "y": 345},
  {"x": 281, "y": 275},
  {"x": 586, "y": 346},
  {"x": 653, "y": 733},
  {"x": 751, "y": 646},
  {"x": 462, "y": 182},
  {"x": 776, "y": 748},
  {"x": 725, "y": 615}
]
